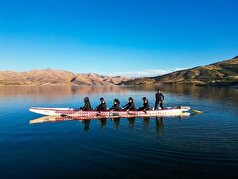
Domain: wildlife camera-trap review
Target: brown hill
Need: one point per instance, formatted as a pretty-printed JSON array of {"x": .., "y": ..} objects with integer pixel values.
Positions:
[
  {"x": 56, "y": 77},
  {"x": 95, "y": 79},
  {"x": 223, "y": 73}
]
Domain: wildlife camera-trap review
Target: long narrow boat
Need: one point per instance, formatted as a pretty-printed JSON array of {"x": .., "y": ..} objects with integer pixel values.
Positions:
[
  {"x": 47, "y": 119},
  {"x": 73, "y": 112}
]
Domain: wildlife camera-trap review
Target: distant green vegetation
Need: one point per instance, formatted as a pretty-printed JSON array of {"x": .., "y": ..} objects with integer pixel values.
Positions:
[
  {"x": 208, "y": 76},
  {"x": 139, "y": 81},
  {"x": 230, "y": 70}
]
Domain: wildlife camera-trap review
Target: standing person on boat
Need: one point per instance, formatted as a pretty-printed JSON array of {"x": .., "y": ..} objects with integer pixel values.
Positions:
[
  {"x": 87, "y": 105},
  {"x": 130, "y": 106},
  {"x": 116, "y": 105},
  {"x": 159, "y": 98},
  {"x": 146, "y": 105},
  {"x": 102, "y": 106}
]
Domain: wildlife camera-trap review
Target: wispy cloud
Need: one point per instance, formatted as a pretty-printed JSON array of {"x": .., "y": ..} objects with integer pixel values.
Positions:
[{"x": 147, "y": 73}]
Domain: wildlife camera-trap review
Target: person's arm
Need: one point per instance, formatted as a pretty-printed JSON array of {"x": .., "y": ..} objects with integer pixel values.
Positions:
[
  {"x": 111, "y": 108},
  {"x": 131, "y": 106},
  {"x": 83, "y": 108},
  {"x": 125, "y": 105},
  {"x": 105, "y": 106},
  {"x": 147, "y": 106},
  {"x": 98, "y": 107},
  {"x": 162, "y": 96},
  {"x": 143, "y": 107}
]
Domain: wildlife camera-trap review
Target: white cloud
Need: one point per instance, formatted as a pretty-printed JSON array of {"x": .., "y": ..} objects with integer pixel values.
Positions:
[
  {"x": 178, "y": 69},
  {"x": 147, "y": 73}
]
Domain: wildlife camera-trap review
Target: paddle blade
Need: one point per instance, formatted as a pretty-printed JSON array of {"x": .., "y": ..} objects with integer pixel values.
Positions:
[{"x": 197, "y": 111}]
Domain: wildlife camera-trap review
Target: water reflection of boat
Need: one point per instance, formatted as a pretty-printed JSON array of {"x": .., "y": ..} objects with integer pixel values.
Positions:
[
  {"x": 116, "y": 122},
  {"x": 86, "y": 120},
  {"x": 146, "y": 122},
  {"x": 45, "y": 119},
  {"x": 86, "y": 124},
  {"x": 159, "y": 125},
  {"x": 131, "y": 122},
  {"x": 103, "y": 122}
]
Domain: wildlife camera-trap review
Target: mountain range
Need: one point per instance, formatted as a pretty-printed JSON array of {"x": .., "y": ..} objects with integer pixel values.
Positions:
[
  {"x": 57, "y": 78},
  {"x": 224, "y": 73}
]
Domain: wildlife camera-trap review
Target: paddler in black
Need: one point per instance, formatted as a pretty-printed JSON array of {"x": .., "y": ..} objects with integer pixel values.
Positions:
[
  {"x": 159, "y": 98},
  {"x": 130, "y": 106},
  {"x": 102, "y": 106},
  {"x": 146, "y": 105},
  {"x": 87, "y": 105},
  {"x": 116, "y": 105}
]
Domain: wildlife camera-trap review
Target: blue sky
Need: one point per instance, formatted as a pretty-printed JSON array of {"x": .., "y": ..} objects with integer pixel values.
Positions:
[{"x": 131, "y": 37}]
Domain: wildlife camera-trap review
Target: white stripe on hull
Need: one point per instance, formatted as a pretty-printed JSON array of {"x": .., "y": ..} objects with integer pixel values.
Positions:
[{"x": 76, "y": 112}]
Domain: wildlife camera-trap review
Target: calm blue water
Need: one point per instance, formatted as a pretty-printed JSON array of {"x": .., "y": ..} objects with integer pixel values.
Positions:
[{"x": 200, "y": 146}]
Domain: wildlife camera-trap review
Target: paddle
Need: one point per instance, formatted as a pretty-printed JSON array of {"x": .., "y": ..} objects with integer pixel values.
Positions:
[{"x": 197, "y": 111}]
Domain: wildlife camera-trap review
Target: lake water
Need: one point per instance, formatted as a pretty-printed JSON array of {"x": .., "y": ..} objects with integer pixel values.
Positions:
[{"x": 199, "y": 146}]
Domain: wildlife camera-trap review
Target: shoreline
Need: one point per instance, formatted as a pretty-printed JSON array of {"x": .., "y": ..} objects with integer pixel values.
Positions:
[{"x": 216, "y": 85}]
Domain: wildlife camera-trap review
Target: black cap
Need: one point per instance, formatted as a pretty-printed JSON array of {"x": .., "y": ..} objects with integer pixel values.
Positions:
[
  {"x": 101, "y": 99},
  {"x": 144, "y": 98}
]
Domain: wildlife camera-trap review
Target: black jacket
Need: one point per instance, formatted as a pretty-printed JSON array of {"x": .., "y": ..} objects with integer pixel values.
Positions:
[
  {"x": 146, "y": 106},
  {"x": 129, "y": 106},
  {"x": 86, "y": 107},
  {"x": 159, "y": 97},
  {"x": 102, "y": 107},
  {"x": 115, "y": 107}
]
